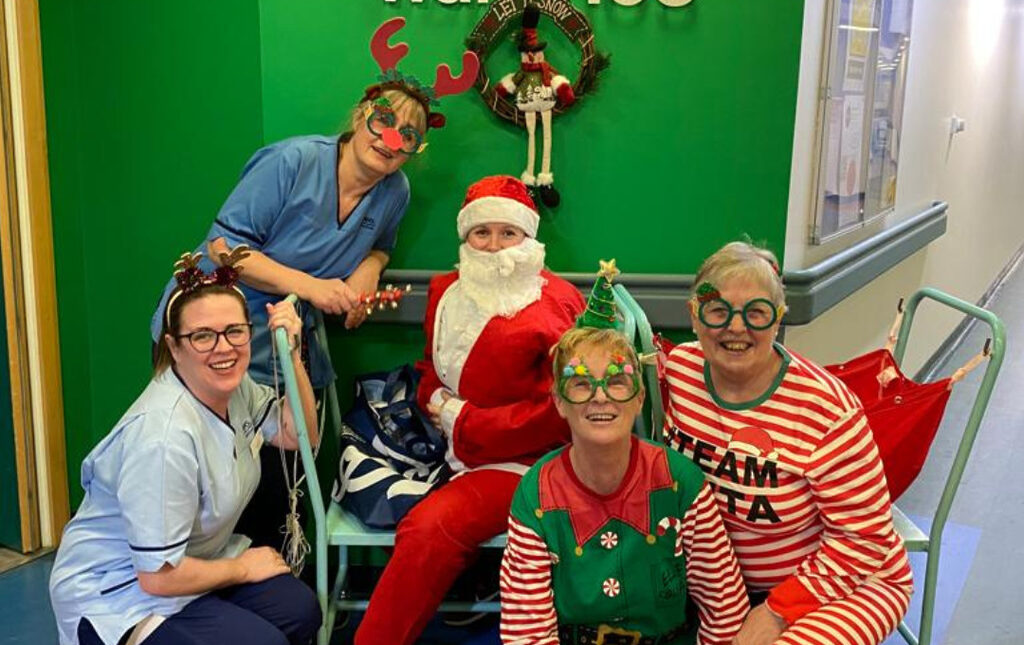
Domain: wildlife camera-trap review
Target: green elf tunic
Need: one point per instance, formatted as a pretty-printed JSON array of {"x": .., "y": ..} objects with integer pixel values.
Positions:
[{"x": 617, "y": 568}]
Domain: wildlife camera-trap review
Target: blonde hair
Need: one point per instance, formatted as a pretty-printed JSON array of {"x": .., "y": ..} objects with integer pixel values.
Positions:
[
  {"x": 610, "y": 339},
  {"x": 743, "y": 260},
  {"x": 403, "y": 105}
]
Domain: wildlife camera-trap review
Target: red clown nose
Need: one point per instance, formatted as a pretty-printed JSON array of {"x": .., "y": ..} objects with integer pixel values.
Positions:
[{"x": 391, "y": 138}]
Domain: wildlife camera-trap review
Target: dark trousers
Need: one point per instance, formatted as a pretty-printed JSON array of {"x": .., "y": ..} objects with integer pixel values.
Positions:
[{"x": 278, "y": 611}]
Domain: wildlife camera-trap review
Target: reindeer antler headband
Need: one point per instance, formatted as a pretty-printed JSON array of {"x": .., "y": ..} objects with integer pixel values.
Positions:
[
  {"x": 190, "y": 277},
  {"x": 387, "y": 57}
]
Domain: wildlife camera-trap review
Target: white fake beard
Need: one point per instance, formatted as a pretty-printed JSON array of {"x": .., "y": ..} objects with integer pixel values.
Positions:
[{"x": 505, "y": 282}]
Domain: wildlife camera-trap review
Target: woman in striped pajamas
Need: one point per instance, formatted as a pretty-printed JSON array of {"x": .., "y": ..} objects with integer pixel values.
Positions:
[
  {"x": 791, "y": 459},
  {"x": 609, "y": 536}
]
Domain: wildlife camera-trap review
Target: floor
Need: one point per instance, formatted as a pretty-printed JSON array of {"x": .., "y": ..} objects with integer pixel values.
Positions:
[
  {"x": 980, "y": 596},
  {"x": 986, "y": 607},
  {"x": 11, "y": 559}
]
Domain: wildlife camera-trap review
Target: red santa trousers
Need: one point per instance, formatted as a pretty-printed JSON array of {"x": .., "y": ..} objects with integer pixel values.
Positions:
[{"x": 434, "y": 543}]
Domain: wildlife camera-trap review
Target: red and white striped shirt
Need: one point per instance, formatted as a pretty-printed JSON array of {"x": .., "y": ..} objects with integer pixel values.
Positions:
[{"x": 798, "y": 480}]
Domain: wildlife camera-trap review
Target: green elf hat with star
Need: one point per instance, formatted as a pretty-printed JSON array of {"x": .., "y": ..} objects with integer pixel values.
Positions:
[{"x": 601, "y": 312}]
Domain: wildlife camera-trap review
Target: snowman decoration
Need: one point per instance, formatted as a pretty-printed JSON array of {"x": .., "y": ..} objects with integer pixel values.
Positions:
[{"x": 536, "y": 88}]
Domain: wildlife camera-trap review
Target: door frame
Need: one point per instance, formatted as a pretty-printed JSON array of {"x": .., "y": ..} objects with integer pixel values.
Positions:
[{"x": 26, "y": 246}]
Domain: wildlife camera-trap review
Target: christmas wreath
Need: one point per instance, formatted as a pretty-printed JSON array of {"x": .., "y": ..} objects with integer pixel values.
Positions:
[{"x": 502, "y": 18}]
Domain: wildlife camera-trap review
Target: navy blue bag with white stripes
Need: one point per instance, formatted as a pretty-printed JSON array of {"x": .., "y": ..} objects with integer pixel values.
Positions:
[{"x": 391, "y": 454}]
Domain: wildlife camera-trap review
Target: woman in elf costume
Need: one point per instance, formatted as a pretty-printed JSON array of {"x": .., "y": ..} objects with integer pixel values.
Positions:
[
  {"x": 795, "y": 469},
  {"x": 608, "y": 536}
]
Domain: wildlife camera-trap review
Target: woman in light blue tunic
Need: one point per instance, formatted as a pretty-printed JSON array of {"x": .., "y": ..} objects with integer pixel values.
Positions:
[{"x": 151, "y": 556}]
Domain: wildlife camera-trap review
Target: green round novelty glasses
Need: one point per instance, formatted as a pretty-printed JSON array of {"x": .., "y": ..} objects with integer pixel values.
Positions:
[
  {"x": 580, "y": 388},
  {"x": 758, "y": 314}
]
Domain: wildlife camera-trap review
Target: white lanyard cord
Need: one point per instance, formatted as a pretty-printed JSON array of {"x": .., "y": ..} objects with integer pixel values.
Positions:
[{"x": 295, "y": 547}]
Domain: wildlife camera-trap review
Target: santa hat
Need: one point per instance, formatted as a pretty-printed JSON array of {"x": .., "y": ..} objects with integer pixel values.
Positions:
[
  {"x": 753, "y": 441},
  {"x": 498, "y": 199}
]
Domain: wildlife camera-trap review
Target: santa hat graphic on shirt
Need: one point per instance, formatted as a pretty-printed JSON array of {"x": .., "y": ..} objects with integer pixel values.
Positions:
[{"x": 753, "y": 441}]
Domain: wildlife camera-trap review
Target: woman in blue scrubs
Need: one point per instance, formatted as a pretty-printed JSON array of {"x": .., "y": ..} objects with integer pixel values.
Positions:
[
  {"x": 320, "y": 215},
  {"x": 151, "y": 555}
]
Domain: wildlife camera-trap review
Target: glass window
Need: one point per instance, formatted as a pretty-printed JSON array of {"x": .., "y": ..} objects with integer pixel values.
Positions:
[{"x": 862, "y": 110}]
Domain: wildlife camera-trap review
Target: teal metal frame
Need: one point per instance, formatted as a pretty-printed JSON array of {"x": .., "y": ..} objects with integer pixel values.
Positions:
[
  {"x": 332, "y": 525},
  {"x": 637, "y": 324},
  {"x": 915, "y": 539},
  {"x": 930, "y": 543}
]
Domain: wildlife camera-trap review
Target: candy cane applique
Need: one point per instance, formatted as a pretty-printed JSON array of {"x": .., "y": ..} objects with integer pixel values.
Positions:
[{"x": 676, "y": 525}]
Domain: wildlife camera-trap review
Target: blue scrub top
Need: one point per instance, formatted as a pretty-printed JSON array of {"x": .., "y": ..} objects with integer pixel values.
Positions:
[
  {"x": 169, "y": 481},
  {"x": 286, "y": 206}
]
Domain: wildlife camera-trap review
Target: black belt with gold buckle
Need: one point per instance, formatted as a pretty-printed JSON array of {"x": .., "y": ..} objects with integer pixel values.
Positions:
[{"x": 610, "y": 635}]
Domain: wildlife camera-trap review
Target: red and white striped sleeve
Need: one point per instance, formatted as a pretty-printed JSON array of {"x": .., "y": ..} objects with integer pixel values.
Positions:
[
  {"x": 848, "y": 484},
  {"x": 527, "y": 600},
  {"x": 712, "y": 572}
]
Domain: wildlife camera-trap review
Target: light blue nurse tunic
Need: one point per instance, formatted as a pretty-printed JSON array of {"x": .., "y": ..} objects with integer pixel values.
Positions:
[
  {"x": 286, "y": 206},
  {"x": 169, "y": 480}
]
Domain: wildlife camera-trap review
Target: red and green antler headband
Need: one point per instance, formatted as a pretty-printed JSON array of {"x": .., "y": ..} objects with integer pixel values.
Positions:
[
  {"x": 387, "y": 57},
  {"x": 190, "y": 277}
]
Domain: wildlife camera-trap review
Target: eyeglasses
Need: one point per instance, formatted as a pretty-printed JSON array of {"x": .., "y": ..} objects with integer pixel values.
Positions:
[
  {"x": 381, "y": 123},
  {"x": 758, "y": 314},
  {"x": 204, "y": 340},
  {"x": 581, "y": 388}
]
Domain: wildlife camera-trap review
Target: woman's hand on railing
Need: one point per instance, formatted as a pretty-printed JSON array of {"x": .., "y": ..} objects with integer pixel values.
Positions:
[
  {"x": 282, "y": 315},
  {"x": 283, "y": 318}
]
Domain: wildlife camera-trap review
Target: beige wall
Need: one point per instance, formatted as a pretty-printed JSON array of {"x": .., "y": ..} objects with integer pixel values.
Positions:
[{"x": 966, "y": 58}]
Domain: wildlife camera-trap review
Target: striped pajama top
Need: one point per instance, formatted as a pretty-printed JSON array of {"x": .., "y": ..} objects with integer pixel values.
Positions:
[{"x": 797, "y": 477}]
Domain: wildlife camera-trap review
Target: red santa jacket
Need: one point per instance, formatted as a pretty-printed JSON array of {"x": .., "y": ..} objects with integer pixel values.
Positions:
[{"x": 509, "y": 415}]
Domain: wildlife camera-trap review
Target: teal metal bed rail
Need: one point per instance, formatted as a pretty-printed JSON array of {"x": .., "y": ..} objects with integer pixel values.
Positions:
[{"x": 933, "y": 542}]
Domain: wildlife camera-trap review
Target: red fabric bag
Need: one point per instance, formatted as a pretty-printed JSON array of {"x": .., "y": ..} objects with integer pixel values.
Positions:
[{"x": 904, "y": 415}]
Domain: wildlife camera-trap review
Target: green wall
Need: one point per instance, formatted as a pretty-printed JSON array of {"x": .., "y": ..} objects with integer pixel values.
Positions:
[
  {"x": 685, "y": 145},
  {"x": 153, "y": 108}
]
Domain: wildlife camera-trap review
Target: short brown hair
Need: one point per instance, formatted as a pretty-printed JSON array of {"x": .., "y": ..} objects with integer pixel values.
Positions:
[{"x": 172, "y": 318}]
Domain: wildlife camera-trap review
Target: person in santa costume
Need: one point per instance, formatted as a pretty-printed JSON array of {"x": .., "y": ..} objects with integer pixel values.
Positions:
[
  {"x": 486, "y": 380},
  {"x": 609, "y": 536}
]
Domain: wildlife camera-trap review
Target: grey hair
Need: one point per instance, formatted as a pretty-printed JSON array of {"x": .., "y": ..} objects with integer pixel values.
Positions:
[{"x": 743, "y": 260}]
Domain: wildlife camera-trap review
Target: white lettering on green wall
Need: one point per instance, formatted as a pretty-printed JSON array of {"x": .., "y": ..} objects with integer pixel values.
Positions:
[
  {"x": 443, "y": 1},
  {"x": 633, "y": 3},
  {"x": 555, "y": 3}
]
